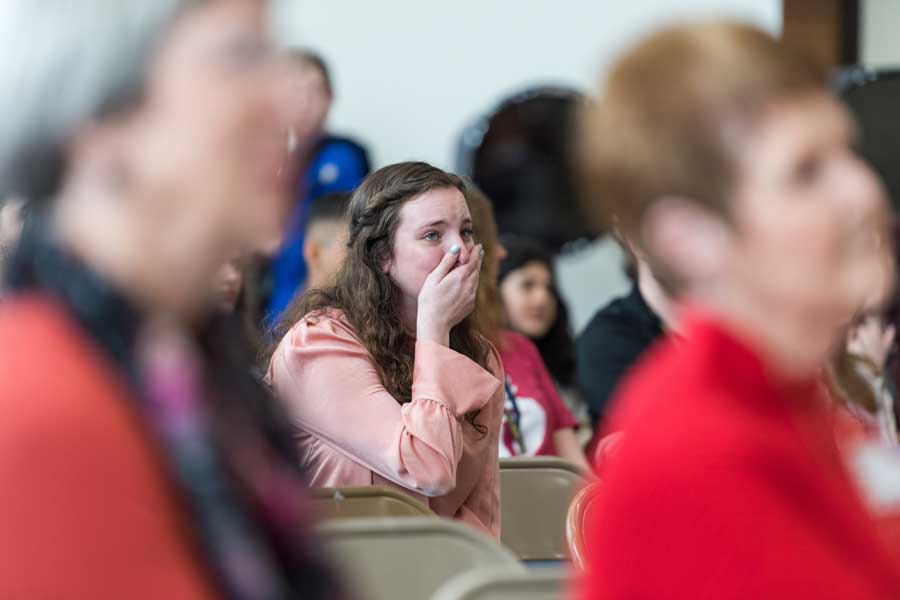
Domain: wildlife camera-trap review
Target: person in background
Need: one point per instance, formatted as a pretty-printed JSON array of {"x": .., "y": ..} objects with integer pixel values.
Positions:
[
  {"x": 533, "y": 307},
  {"x": 11, "y": 220},
  {"x": 536, "y": 422},
  {"x": 335, "y": 164},
  {"x": 325, "y": 238},
  {"x": 743, "y": 191},
  {"x": 617, "y": 336},
  {"x": 384, "y": 373},
  {"x": 228, "y": 285},
  {"x": 857, "y": 373},
  {"x": 134, "y": 461}
]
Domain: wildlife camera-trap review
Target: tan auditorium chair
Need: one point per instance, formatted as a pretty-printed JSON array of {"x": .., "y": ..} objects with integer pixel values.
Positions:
[
  {"x": 503, "y": 584},
  {"x": 366, "y": 501},
  {"x": 535, "y": 494},
  {"x": 407, "y": 558}
]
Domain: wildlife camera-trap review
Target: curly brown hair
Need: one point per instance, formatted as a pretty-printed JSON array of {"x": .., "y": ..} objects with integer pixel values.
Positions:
[{"x": 365, "y": 293}]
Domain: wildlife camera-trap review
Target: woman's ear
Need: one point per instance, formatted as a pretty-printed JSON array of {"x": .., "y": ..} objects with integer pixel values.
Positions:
[
  {"x": 102, "y": 150},
  {"x": 690, "y": 241}
]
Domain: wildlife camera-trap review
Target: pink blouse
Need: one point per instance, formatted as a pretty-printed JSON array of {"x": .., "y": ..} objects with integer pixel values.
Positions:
[{"x": 351, "y": 431}]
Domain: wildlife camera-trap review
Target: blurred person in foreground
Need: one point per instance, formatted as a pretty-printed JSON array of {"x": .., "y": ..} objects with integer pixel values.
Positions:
[
  {"x": 536, "y": 420},
  {"x": 135, "y": 462},
  {"x": 723, "y": 156}
]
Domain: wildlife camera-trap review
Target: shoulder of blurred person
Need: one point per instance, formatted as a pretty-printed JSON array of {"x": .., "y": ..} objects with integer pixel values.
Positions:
[
  {"x": 704, "y": 433},
  {"x": 57, "y": 390}
]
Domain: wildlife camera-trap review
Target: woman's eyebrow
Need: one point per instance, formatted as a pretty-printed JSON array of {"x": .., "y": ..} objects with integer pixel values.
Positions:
[{"x": 434, "y": 223}]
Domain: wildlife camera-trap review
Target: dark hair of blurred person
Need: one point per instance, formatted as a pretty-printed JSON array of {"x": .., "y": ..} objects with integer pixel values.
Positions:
[
  {"x": 723, "y": 156},
  {"x": 332, "y": 164},
  {"x": 386, "y": 377},
  {"x": 136, "y": 461},
  {"x": 536, "y": 421},
  {"x": 325, "y": 238}
]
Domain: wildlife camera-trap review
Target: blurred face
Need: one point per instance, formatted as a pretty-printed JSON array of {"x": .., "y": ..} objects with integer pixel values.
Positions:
[
  {"x": 228, "y": 283},
  {"x": 309, "y": 99},
  {"x": 325, "y": 248},
  {"x": 528, "y": 299},
  {"x": 809, "y": 217},
  {"x": 209, "y": 137},
  {"x": 430, "y": 224}
]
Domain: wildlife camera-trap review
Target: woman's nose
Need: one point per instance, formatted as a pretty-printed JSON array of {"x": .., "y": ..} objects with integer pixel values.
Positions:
[{"x": 465, "y": 247}]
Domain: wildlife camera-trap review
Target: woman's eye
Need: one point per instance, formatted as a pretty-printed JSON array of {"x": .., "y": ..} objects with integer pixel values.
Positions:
[
  {"x": 431, "y": 236},
  {"x": 467, "y": 234}
]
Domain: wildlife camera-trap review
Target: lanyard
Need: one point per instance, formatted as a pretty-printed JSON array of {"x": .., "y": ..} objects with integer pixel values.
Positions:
[{"x": 514, "y": 418}]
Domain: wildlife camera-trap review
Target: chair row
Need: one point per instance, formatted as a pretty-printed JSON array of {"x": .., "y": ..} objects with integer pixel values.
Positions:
[
  {"x": 535, "y": 495},
  {"x": 416, "y": 558}
]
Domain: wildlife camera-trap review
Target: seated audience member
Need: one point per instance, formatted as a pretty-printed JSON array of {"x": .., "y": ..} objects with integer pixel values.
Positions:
[
  {"x": 384, "y": 374},
  {"x": 865, "y": 426},
  {"x": 617, "y": 336},
  {"x": 536, "y": 422},
  {"x": 325, "y": 238},
  {"x": 335, "y": 164},
  {"x": 859, "y": 380},
  {"x": 534, "y": 308},
  {"x": 132, "y": 464},
  {"x": 228, "y": 285},
  {"x": 723, "y": 154}
]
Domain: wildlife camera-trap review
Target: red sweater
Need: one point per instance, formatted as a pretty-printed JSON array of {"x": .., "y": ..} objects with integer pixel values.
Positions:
[
  {"x": 86, "y": 510},
  {"x": 728, "y": 485}
]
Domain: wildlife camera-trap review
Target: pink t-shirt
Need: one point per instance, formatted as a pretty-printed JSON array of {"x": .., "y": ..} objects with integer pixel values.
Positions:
[{"x": 535, "y": 400}]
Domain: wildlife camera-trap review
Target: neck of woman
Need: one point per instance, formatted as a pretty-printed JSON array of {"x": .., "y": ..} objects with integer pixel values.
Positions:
[{"x": 792, "y": 342}]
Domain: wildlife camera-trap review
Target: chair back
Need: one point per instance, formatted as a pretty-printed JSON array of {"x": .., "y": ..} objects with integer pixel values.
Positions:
[
  {"x": 366, "y": 501},
  {"x": 503, "y": 584},
  {"x": 535, "y": 493},
  {"x": 409, "y": 557}
]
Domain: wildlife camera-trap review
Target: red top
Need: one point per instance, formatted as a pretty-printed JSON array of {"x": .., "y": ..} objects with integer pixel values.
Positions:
[
  {"x": 541, "y": 410},
  {"x": 727, "y": 484},
  {"x": 86, "y": 510}
]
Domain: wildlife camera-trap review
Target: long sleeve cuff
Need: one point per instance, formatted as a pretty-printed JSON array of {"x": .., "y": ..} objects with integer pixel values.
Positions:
[{"x": 448, "y": 377}]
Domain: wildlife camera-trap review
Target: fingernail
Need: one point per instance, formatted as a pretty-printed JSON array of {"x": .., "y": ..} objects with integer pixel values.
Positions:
[
  {"x": 454, "y": 249},
  {"x": 481, "y": 251}
]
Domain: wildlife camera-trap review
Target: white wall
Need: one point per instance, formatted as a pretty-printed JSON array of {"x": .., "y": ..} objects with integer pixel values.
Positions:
[
  {"x": 410, "y": 74},
  {"x": 879, "y": 42}
]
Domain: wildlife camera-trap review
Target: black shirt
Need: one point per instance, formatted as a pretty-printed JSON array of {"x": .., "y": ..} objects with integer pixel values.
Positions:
[{"x": 610, "y": 345}]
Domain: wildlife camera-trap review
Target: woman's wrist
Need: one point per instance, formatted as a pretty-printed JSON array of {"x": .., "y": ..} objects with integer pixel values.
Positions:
[{"x": 426, "y": 330}]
